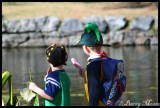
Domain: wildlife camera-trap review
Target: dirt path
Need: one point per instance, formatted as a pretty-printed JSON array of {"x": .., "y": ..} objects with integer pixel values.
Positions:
[{"x": 75, "y": 10}]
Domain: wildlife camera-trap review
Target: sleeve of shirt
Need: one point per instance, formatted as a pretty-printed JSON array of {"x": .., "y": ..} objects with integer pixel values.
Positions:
[
  {"x": 52, "y": 86},
  {"x": 93, "y": 75},
  {"x": 120, "y": 71}
]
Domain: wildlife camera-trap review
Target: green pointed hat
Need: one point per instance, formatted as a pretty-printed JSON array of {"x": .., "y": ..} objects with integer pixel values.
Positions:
[{"x": 91, "y": 36}]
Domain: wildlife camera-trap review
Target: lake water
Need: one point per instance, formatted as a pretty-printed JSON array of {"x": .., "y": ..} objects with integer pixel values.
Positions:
[{"x": 141, "y": 71}]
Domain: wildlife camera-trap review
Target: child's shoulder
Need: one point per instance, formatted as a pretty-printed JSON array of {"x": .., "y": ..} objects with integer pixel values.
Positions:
[
  {"x": 114, "y": 59},
  {"x": 94, "y": 61},
  {"x": 107, "y": 60},
  {"x": 55, "y": 73}
]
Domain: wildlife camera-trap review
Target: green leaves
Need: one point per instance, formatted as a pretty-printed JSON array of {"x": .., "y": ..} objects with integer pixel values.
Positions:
[
  {"x": 30, "y": 76},
  {"x": 28, "y": 94},
  {"x": 6, "y": 76},
  {"x": 36, "y": 101}
]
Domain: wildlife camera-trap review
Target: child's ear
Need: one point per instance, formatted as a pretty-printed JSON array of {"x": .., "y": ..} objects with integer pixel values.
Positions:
[{"x": 86, "y": 50}]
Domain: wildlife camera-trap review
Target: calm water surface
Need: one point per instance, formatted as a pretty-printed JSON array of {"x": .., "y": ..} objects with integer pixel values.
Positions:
[{"x": 141, "y": 71}]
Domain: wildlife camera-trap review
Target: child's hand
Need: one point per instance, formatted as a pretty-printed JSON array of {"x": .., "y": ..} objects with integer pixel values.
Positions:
[
  {"x": 75, "y": 63},
  {"x": 109, "y": 103},
  {"x": 49, "y": 70},
  {"x": 45, "y": 77},
  {"x": 78, "y": 66},
  {"x": 32, "y": 86},
  {"x": 81, "y": 72}
]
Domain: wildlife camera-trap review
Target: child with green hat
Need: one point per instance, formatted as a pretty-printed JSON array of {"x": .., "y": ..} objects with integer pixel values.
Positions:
[
  {"x": 104, "y": 81},
  {"x": 57, "y": 82}
]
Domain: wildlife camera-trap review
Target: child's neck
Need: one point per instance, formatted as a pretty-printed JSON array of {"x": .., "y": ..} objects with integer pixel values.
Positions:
[
  {"x": 92, "y": 53},
  {"x": 57, "y": 68}
]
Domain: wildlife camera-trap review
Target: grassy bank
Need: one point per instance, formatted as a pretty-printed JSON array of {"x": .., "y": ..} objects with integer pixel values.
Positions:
[{"x": 74, "y": 9}]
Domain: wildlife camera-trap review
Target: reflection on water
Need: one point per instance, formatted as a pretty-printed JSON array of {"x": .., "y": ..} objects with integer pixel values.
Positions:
[{"x": 141, "y": 70}]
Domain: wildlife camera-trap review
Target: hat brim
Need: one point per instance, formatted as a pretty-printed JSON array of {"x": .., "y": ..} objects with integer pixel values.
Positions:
[
  {"x": 79, "y": 43},
  {"x": 108, "y": 45}
]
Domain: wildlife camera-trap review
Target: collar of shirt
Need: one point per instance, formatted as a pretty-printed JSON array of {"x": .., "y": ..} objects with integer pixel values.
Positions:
[{"x": 93, "y": 57}]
